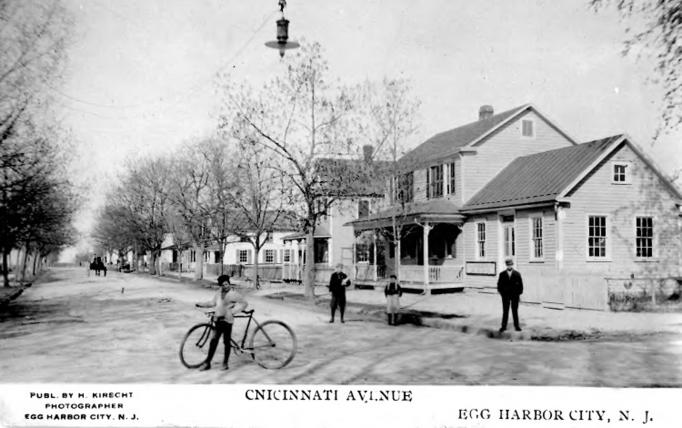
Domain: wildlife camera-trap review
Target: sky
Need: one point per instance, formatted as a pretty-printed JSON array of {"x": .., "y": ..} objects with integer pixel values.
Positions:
[{"x": 140, "y": 74}]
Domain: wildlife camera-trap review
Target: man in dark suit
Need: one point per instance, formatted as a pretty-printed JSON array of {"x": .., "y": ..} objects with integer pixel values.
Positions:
[
  {"x": 510, "y": 287},
  {"x": 337, "y": 286}
]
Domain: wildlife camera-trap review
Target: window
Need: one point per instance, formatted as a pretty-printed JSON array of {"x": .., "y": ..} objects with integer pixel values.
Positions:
[
  {"x": 644, "y": 241},
  {"x": 480, "y": 238},
  {"x": 362, "y": 253},
  {"x": 321, "y": 250},
  {"x": 527, "y": 128},
  {"x": 536, "y": 238},
  {"x": 269, "y": 256},
  {"x": 363, "y": 209},
  {"x": 287, "y": 256},
  {"x": 434, "y": 181},
  {"x": 192, "y": 256},
  {"x": 621, "y": 173},
  {"x": 243, "y": 256},
  {"x": 596, "y": 236},
  {"x": 404, "y": 188},
  {"x": 451, "y": 182}
]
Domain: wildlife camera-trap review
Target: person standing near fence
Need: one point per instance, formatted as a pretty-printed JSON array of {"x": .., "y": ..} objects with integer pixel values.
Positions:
[
  {"x": 510, "y": 287},
  {"x": 393, "y": 292},
  {"x": 337, "y": 287}
]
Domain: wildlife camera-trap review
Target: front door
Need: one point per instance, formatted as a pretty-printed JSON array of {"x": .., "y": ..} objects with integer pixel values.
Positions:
[{"x": 509, "y": 237}]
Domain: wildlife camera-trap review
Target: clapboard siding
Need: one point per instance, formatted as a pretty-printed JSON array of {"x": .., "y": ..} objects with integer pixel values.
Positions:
[
  {"x": 503, "y": 147},
  {"x": 471, "y": 248},
  {"x": 645, "y": 196}
]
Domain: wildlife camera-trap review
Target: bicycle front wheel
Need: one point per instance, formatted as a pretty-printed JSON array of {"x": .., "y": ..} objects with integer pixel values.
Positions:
[
  {"x": 273, "y": 344},
  {"x": 194, "y": 347}
]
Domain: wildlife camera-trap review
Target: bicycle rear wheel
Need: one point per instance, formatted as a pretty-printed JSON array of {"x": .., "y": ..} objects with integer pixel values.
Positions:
[
  {"x": 273, "y": 344},
  {"x": 194, "y": 347}
]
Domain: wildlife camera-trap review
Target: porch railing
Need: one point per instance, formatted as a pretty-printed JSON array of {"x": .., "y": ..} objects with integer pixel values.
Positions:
[
  {"x": 437, "y": 274},
  {"x": 365, "y": 272}
]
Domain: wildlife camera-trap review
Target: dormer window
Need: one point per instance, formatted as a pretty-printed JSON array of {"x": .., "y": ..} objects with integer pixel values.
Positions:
[
  {"x": 527, "y": 128},
  {"x": 621, "y": 173}
]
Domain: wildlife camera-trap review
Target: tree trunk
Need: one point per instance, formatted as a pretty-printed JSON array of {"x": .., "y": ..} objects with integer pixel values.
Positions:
[
  {"x": 5, "y": 268},
  {"x": 24, "y": 261},
  {"x": 135, "y": 261},
  {"x": 152, "y": 262},
  {"x": 256, "y": 281},
  {"x": 397, "y": 232},
  {"x": 199, "y": 263},
  {"x": 309, "y": 266},
  {"x": 179, "y": 267},
  {"x": 35, "y": 261}
]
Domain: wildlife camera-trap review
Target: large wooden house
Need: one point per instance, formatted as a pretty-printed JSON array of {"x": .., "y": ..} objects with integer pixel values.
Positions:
[{"x": 515, "y": 185}]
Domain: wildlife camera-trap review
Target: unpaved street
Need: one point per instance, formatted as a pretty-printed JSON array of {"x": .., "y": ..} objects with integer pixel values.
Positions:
[{"x": 127, "y": 328}]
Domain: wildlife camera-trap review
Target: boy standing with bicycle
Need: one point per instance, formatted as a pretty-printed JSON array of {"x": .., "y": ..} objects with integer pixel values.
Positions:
[{"x": 226, "y": 303}]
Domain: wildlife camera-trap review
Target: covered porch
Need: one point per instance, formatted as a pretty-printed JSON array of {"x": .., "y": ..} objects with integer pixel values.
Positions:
[{"x": 422, "y": 247}]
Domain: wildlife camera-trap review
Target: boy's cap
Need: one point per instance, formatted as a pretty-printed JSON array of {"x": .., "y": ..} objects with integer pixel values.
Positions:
[{"x": 223, "y": 278}]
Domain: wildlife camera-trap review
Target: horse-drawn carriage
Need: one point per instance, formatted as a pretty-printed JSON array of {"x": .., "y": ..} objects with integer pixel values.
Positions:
[{"x": 98, "y": 266}]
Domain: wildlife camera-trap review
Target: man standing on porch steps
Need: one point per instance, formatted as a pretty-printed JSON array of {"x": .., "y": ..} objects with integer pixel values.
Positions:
[{"x": 510, "y": 287}]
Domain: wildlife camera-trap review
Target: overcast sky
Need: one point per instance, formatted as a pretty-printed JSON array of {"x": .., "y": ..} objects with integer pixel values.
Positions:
[{"x": 140, "y": 75}]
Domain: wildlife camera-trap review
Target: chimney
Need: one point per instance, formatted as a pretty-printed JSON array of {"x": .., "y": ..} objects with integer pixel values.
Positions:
[
  {"x": 367, "y": 151},
  {"x": 485, "y": 112}
]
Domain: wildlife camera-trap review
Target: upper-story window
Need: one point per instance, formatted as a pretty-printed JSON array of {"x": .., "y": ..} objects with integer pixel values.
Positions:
[
  {"x": 404, "y": 188},
  {"x": 363, "y": 209},
  {"x": 434, "y": 182},
  {"x": 451, "y": 180},
  {"x": 527, "y": 128},
  {"x": 621, "y": 173}
]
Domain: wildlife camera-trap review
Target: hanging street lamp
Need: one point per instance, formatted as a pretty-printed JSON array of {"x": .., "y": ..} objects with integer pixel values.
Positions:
[{"x": 282, "y": 42}]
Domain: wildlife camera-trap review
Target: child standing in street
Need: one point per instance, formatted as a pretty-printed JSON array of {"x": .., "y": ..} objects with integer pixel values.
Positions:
[{"x": 393, "y": 292}]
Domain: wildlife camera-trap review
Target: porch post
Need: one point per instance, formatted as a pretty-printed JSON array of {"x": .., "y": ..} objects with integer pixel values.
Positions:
[
  {"x": 374, "y": 254},
  {"x": 426, "y": 228}
]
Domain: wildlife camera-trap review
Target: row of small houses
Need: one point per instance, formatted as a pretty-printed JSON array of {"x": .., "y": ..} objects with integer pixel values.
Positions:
[{"x": 582, "y": 220}]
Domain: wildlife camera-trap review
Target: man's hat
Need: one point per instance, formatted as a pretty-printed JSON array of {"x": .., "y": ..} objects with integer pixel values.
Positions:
[{"x": 509, "y": 262}]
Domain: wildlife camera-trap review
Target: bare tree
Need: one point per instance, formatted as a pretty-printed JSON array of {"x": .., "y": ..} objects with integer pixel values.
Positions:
[
  {"x": 189, "y": 194},
  {"x": 260, "y": 195},
  {"x": 389, "y": 118},
  {"x": 301, "y": 117},
  {"x": 142, "y": 200}
]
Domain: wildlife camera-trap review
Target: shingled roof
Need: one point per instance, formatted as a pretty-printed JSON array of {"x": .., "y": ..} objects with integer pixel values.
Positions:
[
  {"x": 539, "y": 177},
  {"x": 449, "y": 142}
]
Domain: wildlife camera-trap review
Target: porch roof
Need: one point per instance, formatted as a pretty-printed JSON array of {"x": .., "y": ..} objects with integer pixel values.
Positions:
[
  {"x": 436, "y": 210},
  {"x": 321, "y": 231}
]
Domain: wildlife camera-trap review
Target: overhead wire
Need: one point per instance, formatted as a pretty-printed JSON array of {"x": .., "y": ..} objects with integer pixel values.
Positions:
[{"x": 177, "y": 95}]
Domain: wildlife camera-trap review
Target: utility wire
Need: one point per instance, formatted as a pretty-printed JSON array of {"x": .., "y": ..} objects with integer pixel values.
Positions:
[{"x": 178, "y": 94}]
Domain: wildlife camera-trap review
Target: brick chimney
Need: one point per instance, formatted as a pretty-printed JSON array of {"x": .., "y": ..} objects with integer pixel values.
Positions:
[
  {"x": 367, "y": 151},
  {"x": 485, "y": 112}
]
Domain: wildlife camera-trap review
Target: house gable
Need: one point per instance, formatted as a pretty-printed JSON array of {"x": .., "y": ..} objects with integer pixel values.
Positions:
[
  {"x": 646, "y": 194},
  {"x": 497, "y": 149}
]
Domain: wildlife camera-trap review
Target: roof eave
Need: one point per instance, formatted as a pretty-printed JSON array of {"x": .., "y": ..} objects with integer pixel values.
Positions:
[{"x": 519, "y": 206}]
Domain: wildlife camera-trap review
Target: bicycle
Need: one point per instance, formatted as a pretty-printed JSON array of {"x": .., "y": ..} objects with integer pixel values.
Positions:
[{"x": 272, "y": 344}]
